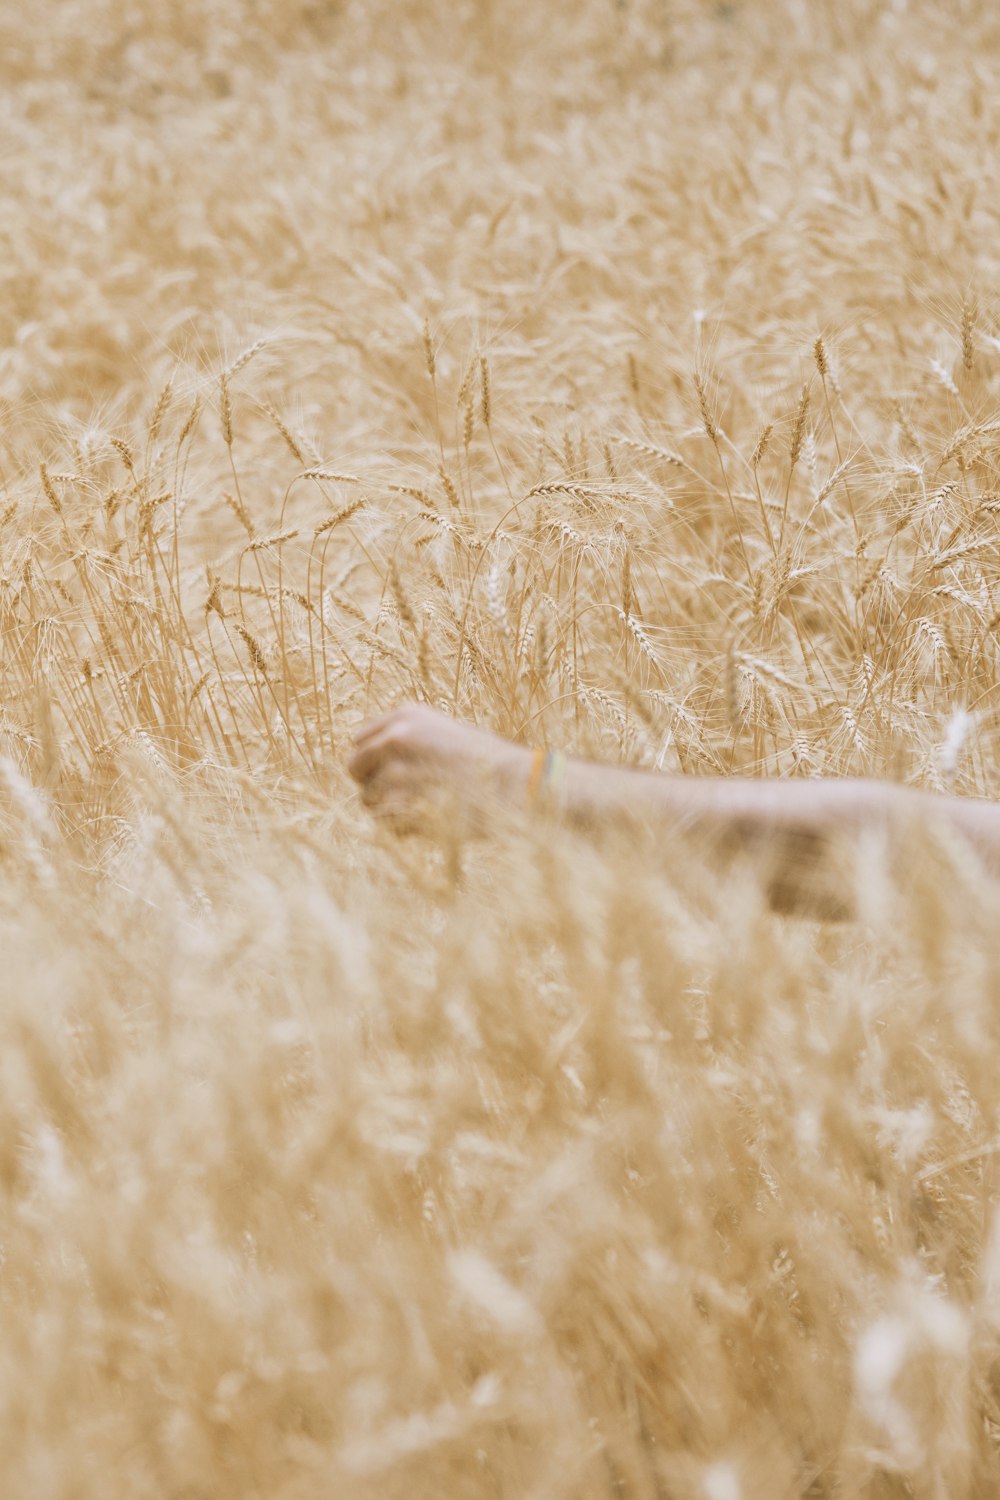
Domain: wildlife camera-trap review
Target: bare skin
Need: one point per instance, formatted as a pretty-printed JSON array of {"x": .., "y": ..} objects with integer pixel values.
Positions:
[
  {"x": 409, "y": 757},
  {"x": 414, "y": 757}
]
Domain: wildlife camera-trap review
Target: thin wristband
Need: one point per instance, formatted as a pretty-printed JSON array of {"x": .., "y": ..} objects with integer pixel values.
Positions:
[
  {"x": 538, "y": 759},
  {"x": 548, "y": 771}
]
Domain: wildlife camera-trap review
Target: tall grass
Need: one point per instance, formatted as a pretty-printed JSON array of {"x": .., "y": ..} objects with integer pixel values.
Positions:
[{"x": 621, "y": 377}]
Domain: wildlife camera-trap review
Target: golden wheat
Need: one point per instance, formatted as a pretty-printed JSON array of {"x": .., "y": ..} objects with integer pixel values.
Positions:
[{"x": 658, "y": 350}]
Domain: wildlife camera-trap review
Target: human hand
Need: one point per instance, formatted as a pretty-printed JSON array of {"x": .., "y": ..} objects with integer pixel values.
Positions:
[{"x": 415, "y": 760}]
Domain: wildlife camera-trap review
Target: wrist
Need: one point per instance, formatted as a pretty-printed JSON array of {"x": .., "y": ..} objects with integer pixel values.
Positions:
[{"x": 546, "y": 780}]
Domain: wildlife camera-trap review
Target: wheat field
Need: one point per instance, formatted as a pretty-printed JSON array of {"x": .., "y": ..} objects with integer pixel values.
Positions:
[{"x": 620, "y": 375}]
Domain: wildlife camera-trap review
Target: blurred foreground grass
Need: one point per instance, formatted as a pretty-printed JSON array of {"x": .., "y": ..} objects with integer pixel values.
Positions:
[{"x": 619, "y": 376}]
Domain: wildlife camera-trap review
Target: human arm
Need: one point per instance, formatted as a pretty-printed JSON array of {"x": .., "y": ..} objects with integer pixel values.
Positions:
[{"x": 793, "y": 829}]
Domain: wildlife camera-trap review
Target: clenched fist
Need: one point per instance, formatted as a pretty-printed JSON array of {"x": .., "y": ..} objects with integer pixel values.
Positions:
[{"x": 414, "y": 760}]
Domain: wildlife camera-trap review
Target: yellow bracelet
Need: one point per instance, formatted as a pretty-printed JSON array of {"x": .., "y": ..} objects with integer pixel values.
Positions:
[
  {"x": 538, "y": 759},
  {"x": 548, "y": 767}
]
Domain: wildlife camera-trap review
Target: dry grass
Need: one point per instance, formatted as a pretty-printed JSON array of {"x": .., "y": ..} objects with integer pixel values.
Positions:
[{"x": 623, "y": 377}]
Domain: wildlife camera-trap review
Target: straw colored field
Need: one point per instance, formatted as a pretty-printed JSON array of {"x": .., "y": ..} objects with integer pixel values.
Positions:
[{"x": 622, "y": 377}]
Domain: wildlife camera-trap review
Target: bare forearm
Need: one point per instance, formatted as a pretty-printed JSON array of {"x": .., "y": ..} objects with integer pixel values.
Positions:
[
  {"x": 739, "y": 806},
  {"x": 796, "y": 829}
]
